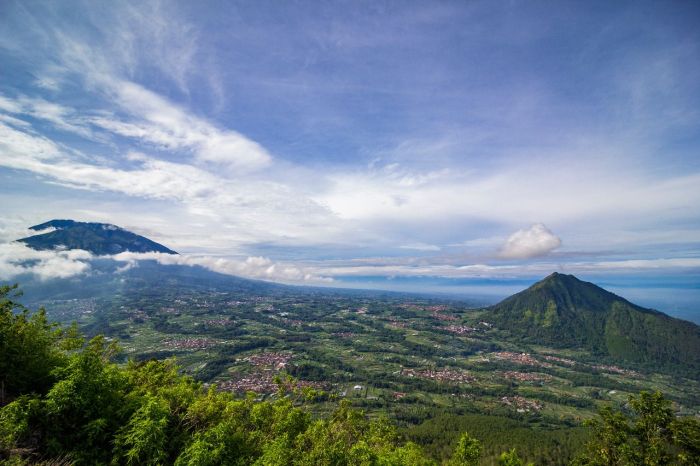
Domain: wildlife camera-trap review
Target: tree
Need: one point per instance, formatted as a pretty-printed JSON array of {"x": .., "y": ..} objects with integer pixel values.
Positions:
[
  {"x": 29, "y": 347},
  {"x": 467, "y": 453},
  {"x": 648, "y": 435},
  {"x": 511, "y": 458}
]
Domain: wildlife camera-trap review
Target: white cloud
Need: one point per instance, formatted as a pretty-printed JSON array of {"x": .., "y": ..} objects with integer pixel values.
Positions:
[
  {"x": 17, "y": 145},
  {"x": 537, "y": 269},
  {"x": 260, "y": 209},
  {"x": 491, "y": 195},
  {"x": 167, "y": 126},
  {"x": 535, "y": 241},
  {"x": 47, "y": 83},
  {"x": 59, "y": 116},
  {"x": 152, "y": 120},
  {"x": 122, "y": 39},
  {"x": 420, "y": 247},
  {"x": 261, "y": 268},
  {"x": 18, "y": 259}
]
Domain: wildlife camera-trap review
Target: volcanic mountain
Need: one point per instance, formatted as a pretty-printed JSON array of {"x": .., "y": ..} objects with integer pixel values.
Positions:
[
  {"x": 98, "y": 238},
  {"x": 563, "y": 311}
]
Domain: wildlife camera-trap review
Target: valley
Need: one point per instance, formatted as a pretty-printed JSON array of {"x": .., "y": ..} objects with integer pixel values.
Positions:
[{"x": 431, "y": 366}]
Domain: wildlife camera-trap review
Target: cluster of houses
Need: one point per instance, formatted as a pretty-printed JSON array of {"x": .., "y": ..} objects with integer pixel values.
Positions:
[
  {"x": 441, "y": 375},
  {"x": 564, "y": 361},
  {"x": 292, "y": 322},
  {"x": 526, "y": 359},
  {"x": 397, "y": 324},
  {"x": 216, "y": 322},
  {"x": 616, "y": 370},
  {"x": 526, "y": 376},
  {"x": 600, "y": 367},
  {"x": 521, "y": 404},
  {"x": 263, "y": 383},
  {"x": 460, "y": 329},
  {"x": 190, "y": 343},
  {"x": 444, "y": 317},
  {"x": 273, "y": 360}
]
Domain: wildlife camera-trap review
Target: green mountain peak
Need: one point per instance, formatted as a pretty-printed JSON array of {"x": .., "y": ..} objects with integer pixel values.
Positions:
[{"x": 562, "y": 310}]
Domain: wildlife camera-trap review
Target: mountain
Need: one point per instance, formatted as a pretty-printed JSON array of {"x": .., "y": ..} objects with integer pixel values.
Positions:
[
  {"x": 98, "y": 238},
  {"x": 563, "y": 311}
]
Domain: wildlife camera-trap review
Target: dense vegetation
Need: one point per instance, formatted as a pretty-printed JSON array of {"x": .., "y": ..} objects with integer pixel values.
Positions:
[
  {"x": 552, "y": 445},
  {"x": 564, "y": 311},
  {"x": 645, "y": 433}
]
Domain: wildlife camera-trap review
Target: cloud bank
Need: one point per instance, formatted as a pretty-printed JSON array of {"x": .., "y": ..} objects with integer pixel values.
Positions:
[
  {"x": 18, "y": 259},
  {"x": 261, "y": 268}
]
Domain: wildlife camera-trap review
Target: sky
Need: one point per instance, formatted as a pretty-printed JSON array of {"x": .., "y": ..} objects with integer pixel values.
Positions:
[{"x": 458, "y": 147}]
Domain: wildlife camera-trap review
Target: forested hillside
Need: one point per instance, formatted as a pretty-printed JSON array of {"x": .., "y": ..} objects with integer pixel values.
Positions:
[{"x": 563, "y": 311}]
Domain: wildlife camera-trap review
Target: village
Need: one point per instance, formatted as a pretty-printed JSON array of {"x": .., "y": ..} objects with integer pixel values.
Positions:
[
  {"x": 525, "y": 359},
  {"x": 440, "y": 375},
  {"x": 189, "y": 343},
  {"x": 269, "y": 360},
  {"x": 521, "y": 404},
  {"x": 526, "y": 376},
  {"x": 264, "y": 383}
]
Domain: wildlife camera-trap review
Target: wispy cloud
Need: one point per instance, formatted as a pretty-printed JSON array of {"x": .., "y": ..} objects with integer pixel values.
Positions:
[
  {"x": 262, "y": 209},
  {"x": 538, "y": 269},
  {"x": 59, "y": 116},
  {"x": 335, "y": 135},
  {"x": 166, "y": 126}
]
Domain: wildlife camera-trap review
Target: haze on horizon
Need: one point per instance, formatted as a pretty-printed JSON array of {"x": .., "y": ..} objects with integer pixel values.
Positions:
[{"x": 463, "y": 147}]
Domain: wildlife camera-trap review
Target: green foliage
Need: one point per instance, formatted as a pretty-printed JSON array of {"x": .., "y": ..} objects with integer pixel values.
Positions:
[
  {"x": 143, "y": 440},
  {"x": 648, "y": 435},
  {"x": 511, "y": 458},
  {"x": 30, "y": 347},
  {"x": 564, "y": 311},
  {"x": 148, "y": 414},
  {"x": 86, "y": 406},
  {"x": 543, "y": 445},
  {"x": 467, "y": 453}
]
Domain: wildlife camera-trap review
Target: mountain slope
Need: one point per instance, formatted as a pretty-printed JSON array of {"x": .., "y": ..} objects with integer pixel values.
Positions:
[
  {"x": 563, "y": 311},
  {"x": 98, "y": 238}
]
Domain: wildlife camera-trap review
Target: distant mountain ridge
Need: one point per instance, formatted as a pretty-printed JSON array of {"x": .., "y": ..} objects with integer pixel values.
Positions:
[
  {"x": 563, "y": 311},
  {"x": 98, "y": 238}
]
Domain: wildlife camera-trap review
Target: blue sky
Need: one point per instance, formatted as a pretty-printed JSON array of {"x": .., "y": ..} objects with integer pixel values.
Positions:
[{"x": 435, "y": 146}]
